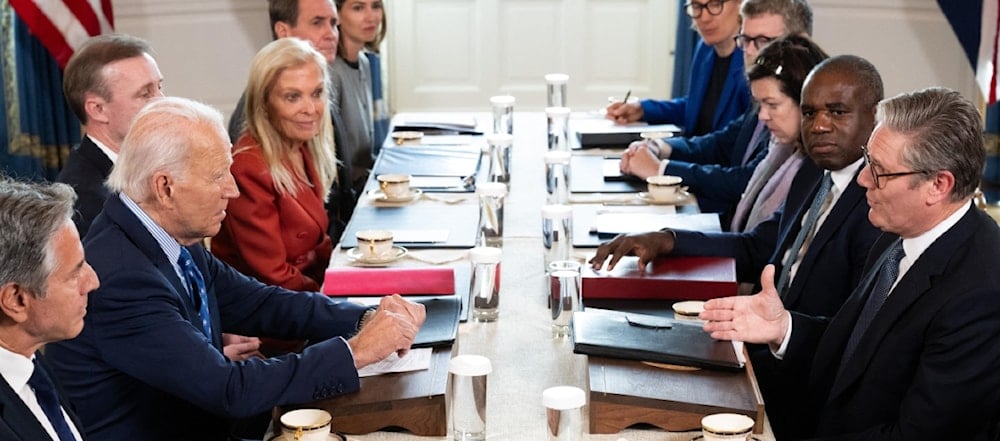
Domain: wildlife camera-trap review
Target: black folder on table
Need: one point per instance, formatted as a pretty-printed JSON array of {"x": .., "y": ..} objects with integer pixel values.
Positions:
[
  {"x": 586, "y": 232},
  {"x": 460, "y": 220},
  {"x": 604, "y": 133},
  {"x": 650, "y": 338},
  {"x": 441, "y": 325},
  {"x": 429, "y": 160},
  {"x": 586, "y": 175}
]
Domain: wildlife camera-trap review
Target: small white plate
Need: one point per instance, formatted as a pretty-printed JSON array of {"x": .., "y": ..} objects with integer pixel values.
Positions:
[
  {"x": 355, "y": 255},
  {"x": 378, "y": 196},
  {"x": 679, "y": 198},
  {"x": 289, "y": 437},
  {"x": 689, "y": 308}
]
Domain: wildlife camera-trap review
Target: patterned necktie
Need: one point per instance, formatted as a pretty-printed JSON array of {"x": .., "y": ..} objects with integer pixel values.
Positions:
[
  {"x": 196, "y": 288},
  {"x": 819, "y": 203},
  {"x": 887, "y": 274},
  {"x": 45, "y": 392}
]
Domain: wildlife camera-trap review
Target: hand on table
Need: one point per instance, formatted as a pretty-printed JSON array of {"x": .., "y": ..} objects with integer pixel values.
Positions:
[
  {"x": 640, "y": 159},
  {"x": 391, "y": 329},
  {"x": 760, "y": 318},
  {"x": 240, "y": 348},
  {"x": 644, "y": 245},
  {"x": 622, "y": 113}
]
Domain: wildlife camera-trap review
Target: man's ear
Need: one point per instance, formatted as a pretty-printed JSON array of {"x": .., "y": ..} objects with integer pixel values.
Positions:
[
  {"x": 14, "y": 302},
  {"x": 94, "y": 105},
  {"x": 282, "y": 29},
  {"x": 163, "y": 190}
]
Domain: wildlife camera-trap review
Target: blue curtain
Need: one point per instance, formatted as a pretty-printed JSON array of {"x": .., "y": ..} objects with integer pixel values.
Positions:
[
  {"x": 991, "y": 176},
  {"x": 684, "y": 44},
  {"x": 37, "y": 129},
  {"x": 379, "y": 103}
]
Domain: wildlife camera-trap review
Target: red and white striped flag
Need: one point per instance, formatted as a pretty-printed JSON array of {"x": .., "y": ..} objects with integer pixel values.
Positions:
[{"x": 63, "y": 25}]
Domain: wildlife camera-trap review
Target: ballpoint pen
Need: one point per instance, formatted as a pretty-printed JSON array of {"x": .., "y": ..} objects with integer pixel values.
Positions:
[{"x": 627, "y": 95}]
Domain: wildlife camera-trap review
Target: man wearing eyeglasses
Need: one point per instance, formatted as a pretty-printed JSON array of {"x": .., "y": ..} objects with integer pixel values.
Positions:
[
  {"x": 717, "y": 166},
  {"x": 912, "y": 355},
  {"x": 718, "y": 91}
]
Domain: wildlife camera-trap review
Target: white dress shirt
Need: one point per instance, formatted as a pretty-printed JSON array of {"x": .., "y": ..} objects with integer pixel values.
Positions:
[{"x": 16, "y": 369}]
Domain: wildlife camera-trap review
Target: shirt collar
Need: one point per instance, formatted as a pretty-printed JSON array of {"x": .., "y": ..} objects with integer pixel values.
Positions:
[
  {"x": 843, "y": 177},
  {"x": 15, "y": 368},
  {"x": 107, "y": 152},
  {"x": 168, "y": 244},
  {"x": 915, "y": 246}
]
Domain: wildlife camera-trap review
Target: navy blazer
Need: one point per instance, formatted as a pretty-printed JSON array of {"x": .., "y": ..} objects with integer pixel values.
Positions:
[
  {"x": 712, "y": 165},
  {"x": 735, "y": 97},
  {"x": 142, "y": 369},
  {"x": 17, "y": 423},
  {"x": 86, "y": 170},
  {"x": 928, "y": 368},
  {"x": 834, "y": 261}
]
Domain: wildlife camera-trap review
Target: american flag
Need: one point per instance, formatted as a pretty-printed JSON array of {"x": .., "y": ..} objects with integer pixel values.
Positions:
[
  {"x": 63, "y": 25},
  {"x": 977, "y": 25}
]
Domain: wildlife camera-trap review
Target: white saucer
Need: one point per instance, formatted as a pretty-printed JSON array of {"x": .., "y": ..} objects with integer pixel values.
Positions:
[
  {"x": 355, "y": 255},
  {"x": 378, "y": 196},
  {"x": 688, "y": 309},
  {"x": 678, "y": 198},
  {"x": 289, "y": 437},
  {"x": 402, "y": 137}
]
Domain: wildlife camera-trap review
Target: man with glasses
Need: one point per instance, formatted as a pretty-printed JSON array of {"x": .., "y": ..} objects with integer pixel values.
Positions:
[
  {"x": 821, "y": 237},
  {"x": 718, "y": 92},
  {"x": 717, "y": 166},
  {"x": 912, "y": 355}
]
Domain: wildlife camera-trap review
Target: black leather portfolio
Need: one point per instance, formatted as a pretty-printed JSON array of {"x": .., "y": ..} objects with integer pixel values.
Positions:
[
  {"x": 586, "y": 175},
  {"x": 604, "y": 133},
  {"x": 429, "y": 160},
  {"x": 650, "y": 338},
  {"x": 441, "y": 326}
]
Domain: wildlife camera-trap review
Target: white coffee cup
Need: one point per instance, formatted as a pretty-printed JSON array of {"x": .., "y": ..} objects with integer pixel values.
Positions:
[
  {"x": 394, "y": 186},
  {"x": 663, "y": 188},
  {"x": 726, "y": 427},
  {"x": 307, "y": 424},
  {"x": 374, "y": 244}
]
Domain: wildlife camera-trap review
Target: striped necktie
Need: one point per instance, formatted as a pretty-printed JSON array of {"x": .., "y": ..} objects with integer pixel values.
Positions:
[{"x": 819, "y": 203}]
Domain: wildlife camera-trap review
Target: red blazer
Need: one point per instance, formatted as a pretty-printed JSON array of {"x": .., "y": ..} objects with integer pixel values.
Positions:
[{"x": 279, "y": 239}]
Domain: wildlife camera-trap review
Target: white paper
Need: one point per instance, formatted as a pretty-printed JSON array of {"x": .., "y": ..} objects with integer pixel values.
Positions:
[
  {"x": 738, "y": 347},
  {"x": 415, "y": 360},
  {"x": 420, "y": 236},
  {"x": 436, "y": 182}
]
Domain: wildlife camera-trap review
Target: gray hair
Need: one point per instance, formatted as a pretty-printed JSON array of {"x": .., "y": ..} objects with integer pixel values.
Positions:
[
  {"x": 945, "y": 132},
  {"x": 796, "y": 14},
  {"x": 30, "y": 215},
  {"x": 159, "y": 140}
]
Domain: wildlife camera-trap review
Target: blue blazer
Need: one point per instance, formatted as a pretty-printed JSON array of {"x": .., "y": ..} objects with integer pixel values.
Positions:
[
  {"x": 142, "y": 369},
  {"x": 17, "y": 423},
  {"x": 684, "y": 111},
  {"x": 87, "y": 167},
  {"x": 928, "y": 368},
  {"x": 833, "y": 263},
  {"x": 712, "y": 165}
]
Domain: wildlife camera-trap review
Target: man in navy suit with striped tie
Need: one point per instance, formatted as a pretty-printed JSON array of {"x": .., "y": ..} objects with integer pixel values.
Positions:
[{"x": 44, "y": 283}]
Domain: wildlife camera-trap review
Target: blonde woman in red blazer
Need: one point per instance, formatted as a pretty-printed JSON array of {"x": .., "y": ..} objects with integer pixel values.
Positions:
[{"x": 284, "y": 165}]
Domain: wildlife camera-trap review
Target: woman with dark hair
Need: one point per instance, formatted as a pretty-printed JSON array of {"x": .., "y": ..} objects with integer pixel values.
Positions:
[{"x": 776, "y": 84}]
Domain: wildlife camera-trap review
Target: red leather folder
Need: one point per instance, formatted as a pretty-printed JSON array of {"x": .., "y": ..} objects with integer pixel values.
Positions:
[
  {"x": 671, "y": 278},
  {"x": 349, "y": 281}
]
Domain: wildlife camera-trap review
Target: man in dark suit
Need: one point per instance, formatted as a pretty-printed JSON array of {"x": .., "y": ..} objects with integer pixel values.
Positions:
[
  {"x": 912, "y": 355},
  {"x": 718, "y": 165},
  {"x": 106, "y": 82},
  {"x": 44, "y": 283},
  {"x": 149, "y": 364}
]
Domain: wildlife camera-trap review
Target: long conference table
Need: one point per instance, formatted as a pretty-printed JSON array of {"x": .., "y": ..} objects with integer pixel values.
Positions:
[{"x": 526, "y": 358}]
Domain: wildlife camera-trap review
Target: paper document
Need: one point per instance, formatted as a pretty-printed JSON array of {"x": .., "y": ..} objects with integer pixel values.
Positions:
[
  {"x": 420, "y": 236},
  {"x": 415, "y": 360}
]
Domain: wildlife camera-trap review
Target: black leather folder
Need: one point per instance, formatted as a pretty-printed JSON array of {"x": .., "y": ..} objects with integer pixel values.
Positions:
[
  {"x": 586, "y": 175},
  {"x": 437, "y": 128},
  {"x": 650, "y": 338},
  {"x": 441, "y": 326},
  {"x": 430, "y": 160}
]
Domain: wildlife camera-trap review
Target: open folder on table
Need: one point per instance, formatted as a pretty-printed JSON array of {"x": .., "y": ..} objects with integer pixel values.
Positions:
[
  {"x": 650, "y": 338},
  {"x": 599, "y": 132},
  {"x": 430, "y": 160}
]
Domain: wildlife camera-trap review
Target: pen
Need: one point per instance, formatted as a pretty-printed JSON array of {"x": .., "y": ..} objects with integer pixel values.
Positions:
[{"x": 627, "y": 95}]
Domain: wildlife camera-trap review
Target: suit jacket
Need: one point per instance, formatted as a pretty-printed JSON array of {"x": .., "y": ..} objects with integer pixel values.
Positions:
[
  {"x": 142, "y": 365},
  {"x": 735, "y": 97},
  {"x": 831, "y": 266},
  {"x": 86, "y": 170},
  {"x": 279, "y": 239},
  {"x": 17, "y": 423},
  {"x": 712, "y": 165},
  {"x": 928, "y": 368}
]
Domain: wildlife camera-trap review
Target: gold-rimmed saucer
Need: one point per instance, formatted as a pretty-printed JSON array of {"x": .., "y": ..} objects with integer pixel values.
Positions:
[{"x": 360, "y": 259}]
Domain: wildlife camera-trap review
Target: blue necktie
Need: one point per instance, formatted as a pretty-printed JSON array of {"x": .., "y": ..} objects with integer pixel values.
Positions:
[
  {"x": 196, "y": 288},
  {"x": 807, "y": 226},
  {"x": 887, "y": 274},
  {"x": 45, "y": 392}
]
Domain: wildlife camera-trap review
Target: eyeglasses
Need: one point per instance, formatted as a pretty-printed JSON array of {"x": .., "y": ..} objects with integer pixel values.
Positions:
[
  {"x": 876, "y": 176},
  {"x": 759, "y": 42},
  {"x": 714, "y": 7}
]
